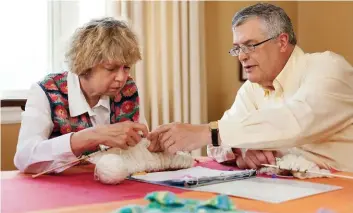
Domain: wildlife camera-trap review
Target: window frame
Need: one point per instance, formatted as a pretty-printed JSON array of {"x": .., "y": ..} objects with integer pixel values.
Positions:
[
  {"x": 63, "y": 18},
  {"x": 60, "y": 15}
]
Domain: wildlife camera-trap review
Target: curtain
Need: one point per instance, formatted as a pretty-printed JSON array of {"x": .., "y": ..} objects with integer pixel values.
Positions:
[{"x": 171, "y": 76}]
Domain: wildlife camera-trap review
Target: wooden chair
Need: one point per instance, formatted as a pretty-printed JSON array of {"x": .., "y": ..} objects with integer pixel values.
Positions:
[{"x": 14, "y": 103}]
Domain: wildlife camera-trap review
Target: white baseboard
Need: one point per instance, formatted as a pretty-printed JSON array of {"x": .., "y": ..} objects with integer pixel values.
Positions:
[{"x": 10, "y": 115}]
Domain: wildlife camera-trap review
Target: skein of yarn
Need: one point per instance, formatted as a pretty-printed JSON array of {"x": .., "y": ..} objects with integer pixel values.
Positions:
[
  {"x": 110, "y": 169},
  {"x": 114, "y": 165}
]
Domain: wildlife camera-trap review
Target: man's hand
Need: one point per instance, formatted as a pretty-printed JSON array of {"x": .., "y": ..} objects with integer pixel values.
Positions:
[
  {"x": 155, "y": 145},
  {"x": 179, "y": 137},
  {"x": 254, "y": 158}
]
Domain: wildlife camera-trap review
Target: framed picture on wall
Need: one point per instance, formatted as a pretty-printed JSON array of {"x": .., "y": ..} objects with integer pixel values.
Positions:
[{"x": 242, "y": 73}]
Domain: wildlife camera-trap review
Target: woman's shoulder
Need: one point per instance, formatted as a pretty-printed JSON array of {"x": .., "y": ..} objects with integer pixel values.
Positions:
[
  {"x": 54, "y": 81},
  {"x": 62, "y": 76}
]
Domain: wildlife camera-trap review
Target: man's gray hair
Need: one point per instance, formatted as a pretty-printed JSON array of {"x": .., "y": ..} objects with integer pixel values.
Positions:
[{"x": 275, "y": 18}]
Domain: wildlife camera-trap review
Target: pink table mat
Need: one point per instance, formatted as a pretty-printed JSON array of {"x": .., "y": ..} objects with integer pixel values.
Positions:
[
  {"x": 22, "y": 194},
  {"x": 27, "y": 194}
]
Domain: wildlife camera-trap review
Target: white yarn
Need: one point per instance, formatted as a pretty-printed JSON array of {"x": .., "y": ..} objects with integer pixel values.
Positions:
[
  {"x": 110, "y": 170},
  {"x": 181, "y": 160},
  {"x": 295, "y": 162}
]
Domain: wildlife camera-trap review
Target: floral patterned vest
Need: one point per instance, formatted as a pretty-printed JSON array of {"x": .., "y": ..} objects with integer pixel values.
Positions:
[{"x": 124, "y": 106}]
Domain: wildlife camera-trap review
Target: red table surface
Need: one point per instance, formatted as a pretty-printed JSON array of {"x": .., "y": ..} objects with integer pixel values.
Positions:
[{"x": 22, "y": 194}]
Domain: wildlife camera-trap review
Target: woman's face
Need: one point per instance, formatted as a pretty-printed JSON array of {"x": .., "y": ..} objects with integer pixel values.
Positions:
[{"x": 107, "y": 79}]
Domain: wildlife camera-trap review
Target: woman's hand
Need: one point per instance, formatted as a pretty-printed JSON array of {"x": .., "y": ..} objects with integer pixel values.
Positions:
[{"x": 121, "y": 135}]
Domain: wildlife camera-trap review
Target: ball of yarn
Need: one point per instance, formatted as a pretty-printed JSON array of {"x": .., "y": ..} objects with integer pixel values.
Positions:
[
  {"x": 110, "y": 169},
  {"x": 181, "y": 160},
  {"x": 114, "y": 165}
]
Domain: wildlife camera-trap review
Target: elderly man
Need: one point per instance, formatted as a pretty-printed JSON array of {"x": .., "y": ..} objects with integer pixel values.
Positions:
[{"x": 293, "y": 101}]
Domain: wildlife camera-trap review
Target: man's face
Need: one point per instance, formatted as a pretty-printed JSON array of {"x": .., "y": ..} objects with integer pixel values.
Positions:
[{"x": 261, "y": 64}]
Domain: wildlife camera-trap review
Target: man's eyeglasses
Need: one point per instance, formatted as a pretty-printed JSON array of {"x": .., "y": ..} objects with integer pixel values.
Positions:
[{"x": 246, "y": 48}]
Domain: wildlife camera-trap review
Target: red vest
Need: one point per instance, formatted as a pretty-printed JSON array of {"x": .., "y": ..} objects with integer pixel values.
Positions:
[{"x": 124, "y": 106}]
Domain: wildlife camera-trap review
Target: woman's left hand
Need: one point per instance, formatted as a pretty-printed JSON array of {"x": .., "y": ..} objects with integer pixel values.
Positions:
[{"x": 121, "y": 135}]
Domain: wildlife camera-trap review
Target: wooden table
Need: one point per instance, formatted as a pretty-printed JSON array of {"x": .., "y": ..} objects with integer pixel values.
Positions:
[{"x": 57, "y": 194}]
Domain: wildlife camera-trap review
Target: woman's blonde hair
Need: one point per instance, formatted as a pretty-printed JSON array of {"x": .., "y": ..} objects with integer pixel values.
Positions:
[{"x": 99, "y": 40}]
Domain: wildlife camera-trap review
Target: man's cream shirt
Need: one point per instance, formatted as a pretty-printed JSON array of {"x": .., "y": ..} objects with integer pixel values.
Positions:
[{"x": 310, "y": 112}]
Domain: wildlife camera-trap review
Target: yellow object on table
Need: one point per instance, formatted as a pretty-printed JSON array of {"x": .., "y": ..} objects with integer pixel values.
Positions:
[{"x": 140, "y": 173}]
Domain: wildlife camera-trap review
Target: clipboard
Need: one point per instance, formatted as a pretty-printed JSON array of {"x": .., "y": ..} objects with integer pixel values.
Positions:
[{"x": 193, "y": 177}]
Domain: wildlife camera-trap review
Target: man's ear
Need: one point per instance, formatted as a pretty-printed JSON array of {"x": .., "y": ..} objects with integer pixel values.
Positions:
[{"x": 283, "y": 41}]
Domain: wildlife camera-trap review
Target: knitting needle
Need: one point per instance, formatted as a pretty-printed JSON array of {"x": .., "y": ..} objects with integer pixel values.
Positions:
[
  {"x": 76, "y": 161},
  {"x": 308, "y": 171},
  {"x": 71, "y": 163}
]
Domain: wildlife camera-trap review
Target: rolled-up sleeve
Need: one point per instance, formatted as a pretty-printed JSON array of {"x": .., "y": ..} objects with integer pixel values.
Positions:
[
  {"x": 322, "y": 106},
  {"x": 35, "y": 151}
]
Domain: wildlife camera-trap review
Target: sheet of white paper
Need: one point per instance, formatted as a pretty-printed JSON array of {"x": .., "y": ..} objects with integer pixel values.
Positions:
[
  {"x": 273, "y": 190},
  {"x": 194, "y": 172}
]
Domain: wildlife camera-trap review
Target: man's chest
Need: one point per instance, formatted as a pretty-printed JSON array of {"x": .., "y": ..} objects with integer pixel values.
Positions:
[{"x": 273, "y": 99}]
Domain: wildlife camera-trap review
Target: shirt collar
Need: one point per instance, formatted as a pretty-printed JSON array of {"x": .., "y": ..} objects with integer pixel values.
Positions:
[
  {"x": 285, "y": 80},
  {"x": 77, "y": 101}
]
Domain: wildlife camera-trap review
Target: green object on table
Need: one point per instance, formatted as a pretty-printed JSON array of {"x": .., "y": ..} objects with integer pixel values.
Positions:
[{"x": 164, "y": 201}]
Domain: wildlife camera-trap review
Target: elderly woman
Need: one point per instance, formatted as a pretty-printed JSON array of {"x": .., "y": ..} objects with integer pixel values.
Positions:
[{"x": 96, "y": 103}]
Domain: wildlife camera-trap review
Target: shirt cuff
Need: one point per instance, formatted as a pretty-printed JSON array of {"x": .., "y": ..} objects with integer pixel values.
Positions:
[
  {"x": 62, "y": 152},
  {"x": 220, "y": 154}
]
